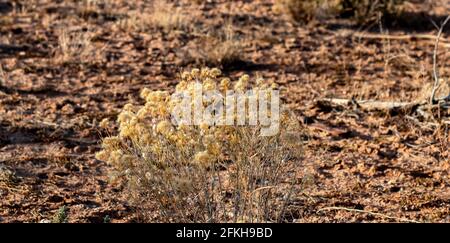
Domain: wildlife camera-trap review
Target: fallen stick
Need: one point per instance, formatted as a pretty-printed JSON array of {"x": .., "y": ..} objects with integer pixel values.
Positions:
[
  {"x": 396, "y": 37},
  {"x": 422, "y": 108},
  {"x": 429, "y": 38},
  {"x": 368, "y": 212},
  {"x": 374, "y": 104}
]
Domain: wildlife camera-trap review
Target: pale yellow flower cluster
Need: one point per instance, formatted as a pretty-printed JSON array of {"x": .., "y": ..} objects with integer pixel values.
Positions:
[
  {"x": 146, "y": 132},
  {"x": 190, "y": 166}
]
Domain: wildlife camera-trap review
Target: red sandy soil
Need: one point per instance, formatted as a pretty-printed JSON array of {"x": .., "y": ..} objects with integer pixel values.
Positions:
[{"x": 378, "y": 162}]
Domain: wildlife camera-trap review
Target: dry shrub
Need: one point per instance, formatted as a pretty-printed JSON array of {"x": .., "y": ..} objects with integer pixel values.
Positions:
[
  {"x": 203, "y": 173},
  {"x": 91, "y": 6},
  {"x": 75, "y": 47},
  {"x": 362, "y": 11},
  {"x": 168, "y": 17},
  {"x": 218, "y": 48},
  {"x": 163, "y": 15},
  {"x": 98, "y": 8},
  {"x": 307, "y": 10},
  {"x": 224, "y": 50},
  {"x": 7, "y": 176},
  {"x": 442, "y": 91},
  {"x": 60, "y": 216}
]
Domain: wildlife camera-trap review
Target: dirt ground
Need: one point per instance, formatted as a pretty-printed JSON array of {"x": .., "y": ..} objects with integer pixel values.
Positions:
[{"x": 358, "y": 166}]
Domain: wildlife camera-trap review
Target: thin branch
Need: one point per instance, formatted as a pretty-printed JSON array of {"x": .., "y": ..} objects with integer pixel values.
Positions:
[
  {"x": 368, "y": 212},
  {"x": 435, "y": 71},
  {"x": 374, "y": 104},
  {"x": 424, "y": 37}
]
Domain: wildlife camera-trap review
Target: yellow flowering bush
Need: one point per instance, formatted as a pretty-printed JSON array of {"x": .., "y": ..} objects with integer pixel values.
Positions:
[{"x": 203, "y": 172}]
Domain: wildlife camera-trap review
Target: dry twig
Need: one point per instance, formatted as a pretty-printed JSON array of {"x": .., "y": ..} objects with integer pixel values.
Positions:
[
  {"x": 430, "y": 38},
  {"x": 371, "y": 105},
  {"x": 368, "y": 212},
  {"x": 435, "y": 71}
]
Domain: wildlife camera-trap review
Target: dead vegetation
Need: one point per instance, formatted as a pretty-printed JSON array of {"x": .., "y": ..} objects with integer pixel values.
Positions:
[
  {"x": 223, "y": 49},
  {"x": 366, "y": 11},
  {"x": 2, "y": 76},
  {"x": 7, "y": 176},
  {"x": 372, "y": 105},
  {"x": 75, "y": 47},
  {"x": 362, "y": 12},
  {"x": 429, "y": 108},
  {"x": 163, "y": 15},
  {"x": 60, "y": 216},
  {"x": 305, "y": 11}
]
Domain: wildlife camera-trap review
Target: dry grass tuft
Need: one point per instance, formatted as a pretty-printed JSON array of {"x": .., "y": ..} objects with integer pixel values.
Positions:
[
  {"x": 307, "y": 10},
  {"x": 60, "y": 216},
  {"x": 220, "y": 49},
  {"x": 365, "y": 11},
  {"x": 361, "y": 11},
  {"x": 163, "y": 15},
  {"x": 442, "y": 90},
  {"x": 89, "y": 8},
  {"x": 168, "y": 17},
  {"x": 75, "y": 47},
  {"x": 2, "y": 75},
  {"x": 7, "y": 176}
]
